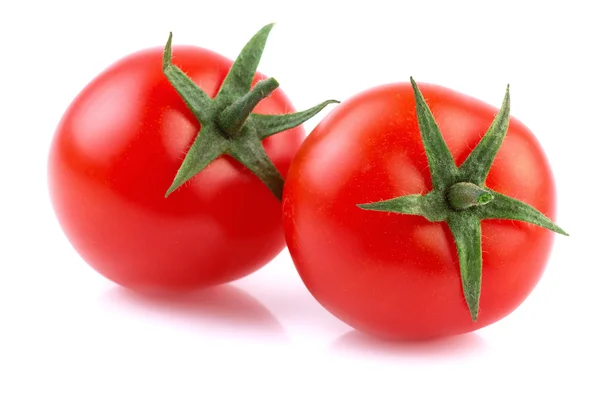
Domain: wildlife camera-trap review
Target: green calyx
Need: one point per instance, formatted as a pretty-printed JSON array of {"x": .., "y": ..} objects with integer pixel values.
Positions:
[
  {"x": 228, "y": 125},
  {"x": 459, "y": 196}
]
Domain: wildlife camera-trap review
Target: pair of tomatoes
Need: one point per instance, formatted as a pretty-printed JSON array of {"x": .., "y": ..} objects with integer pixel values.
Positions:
[{"x": 122, "y": 141}]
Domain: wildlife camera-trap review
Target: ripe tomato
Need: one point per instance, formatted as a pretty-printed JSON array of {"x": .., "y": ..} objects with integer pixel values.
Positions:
[
  {"x": 396, "y": 275},
  {"x": 116, "y": 152}
]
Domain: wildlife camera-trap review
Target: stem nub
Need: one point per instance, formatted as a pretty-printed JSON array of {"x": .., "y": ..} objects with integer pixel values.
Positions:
[
  {"x": 235, "y": 115},
  {"x": 463, "y": 195}
]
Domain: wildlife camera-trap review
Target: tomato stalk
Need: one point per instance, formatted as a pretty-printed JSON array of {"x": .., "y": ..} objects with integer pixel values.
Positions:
[
  {"x": 459, "y": 195},
  {"x": 228, "y": 125},
  {"x": 463, "y": 195},
  {"x": 233, "y": 118}
]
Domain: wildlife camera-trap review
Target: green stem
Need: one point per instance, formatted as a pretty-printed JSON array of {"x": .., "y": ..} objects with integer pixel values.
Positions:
[
  {"x": 463, "y": 195},
  {"x": 225, "y": 117},
  {"x": 235, "y": 115}
]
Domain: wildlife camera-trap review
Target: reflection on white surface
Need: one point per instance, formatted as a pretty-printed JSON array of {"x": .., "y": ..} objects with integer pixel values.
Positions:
[
  {"x": 358, "y": 344},
  {"x": 222, "y": 308}
]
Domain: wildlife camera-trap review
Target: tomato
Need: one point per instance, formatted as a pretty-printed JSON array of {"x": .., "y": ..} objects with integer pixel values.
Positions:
[
  {"x": 115, "y": 153},
  {"x": 396, "y": 275}
]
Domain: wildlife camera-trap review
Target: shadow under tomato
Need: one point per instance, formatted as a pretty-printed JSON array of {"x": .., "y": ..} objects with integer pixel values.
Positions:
[
  {"x": 221, "y": 308},
  {"x": 358, "y": 343}
]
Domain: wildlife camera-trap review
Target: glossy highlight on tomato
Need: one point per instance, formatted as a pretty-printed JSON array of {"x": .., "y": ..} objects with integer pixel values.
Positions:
[
  {"x": 395, "y": 275},
  {"x": 114, "y": 155}
]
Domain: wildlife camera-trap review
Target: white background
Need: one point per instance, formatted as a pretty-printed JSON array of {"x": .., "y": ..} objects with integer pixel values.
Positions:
[{"x": 66, "y": 332}]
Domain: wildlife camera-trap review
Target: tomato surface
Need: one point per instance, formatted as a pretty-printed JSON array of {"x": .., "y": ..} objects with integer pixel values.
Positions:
[
  {"x": 116, "y": 152},
  {"x": 393, "y": 275}
]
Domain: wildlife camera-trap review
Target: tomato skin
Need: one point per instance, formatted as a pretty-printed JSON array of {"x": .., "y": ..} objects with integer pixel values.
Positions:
[
  {"x": 116, "y": 152},
  {"x": 397, "y": 276}
]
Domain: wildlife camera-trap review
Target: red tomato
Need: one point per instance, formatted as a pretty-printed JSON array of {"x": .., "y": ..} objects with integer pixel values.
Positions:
[
  {"x": 394, "y": 275},
  {"x": 116, "y": 152}
]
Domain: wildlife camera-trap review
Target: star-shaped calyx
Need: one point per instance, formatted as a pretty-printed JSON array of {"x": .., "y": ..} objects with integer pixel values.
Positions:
[
  {"x": 460, "y": 197},
  {"x": 228, "y": 125}
]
